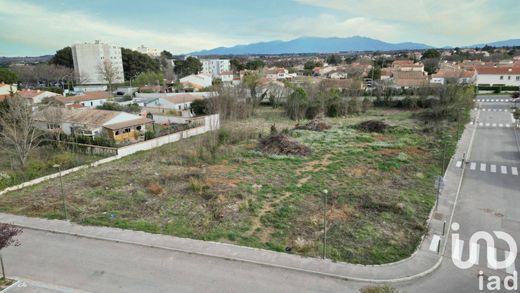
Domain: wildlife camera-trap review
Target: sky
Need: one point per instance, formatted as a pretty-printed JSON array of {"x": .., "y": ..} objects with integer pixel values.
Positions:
[{"x": 40, "y": 27}]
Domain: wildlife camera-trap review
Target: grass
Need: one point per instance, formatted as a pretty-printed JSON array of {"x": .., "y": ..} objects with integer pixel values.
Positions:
[
  {"x": 39, "y": 163},
  {"x": 4, "y": 283},
  {"x": 380, "y": 189}
]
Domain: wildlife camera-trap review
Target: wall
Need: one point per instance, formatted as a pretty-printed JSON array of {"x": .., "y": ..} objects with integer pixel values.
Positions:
[
  {"x": 495, "y": 79},
  {"x": 211, "y": 122}
]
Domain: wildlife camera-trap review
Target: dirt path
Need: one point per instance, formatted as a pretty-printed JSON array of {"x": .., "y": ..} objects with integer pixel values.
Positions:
[{"x": 267, "y": 208}]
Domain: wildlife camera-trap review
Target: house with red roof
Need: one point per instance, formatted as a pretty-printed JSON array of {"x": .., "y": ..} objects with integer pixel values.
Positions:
[{"x": 498, "y": 76}]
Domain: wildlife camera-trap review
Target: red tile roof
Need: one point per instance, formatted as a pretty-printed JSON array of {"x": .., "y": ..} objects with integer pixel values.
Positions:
[{"x": 498, "y": 70}]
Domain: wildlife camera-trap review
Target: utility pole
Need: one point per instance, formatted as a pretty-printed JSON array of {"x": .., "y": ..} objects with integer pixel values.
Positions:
[
  {"x": 325, "y": 223},
  {"x": 62, "y": 192}
]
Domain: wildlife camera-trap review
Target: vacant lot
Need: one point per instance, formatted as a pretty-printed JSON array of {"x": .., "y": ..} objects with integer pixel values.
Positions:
[{"x": 380, "y": 188}]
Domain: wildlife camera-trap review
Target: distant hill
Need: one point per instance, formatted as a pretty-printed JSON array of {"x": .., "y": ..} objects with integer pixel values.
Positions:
[
  {"x": 506, "y": 43},
  {"x": 6, "y": 61},
  {"x": 314, "y": 45}
]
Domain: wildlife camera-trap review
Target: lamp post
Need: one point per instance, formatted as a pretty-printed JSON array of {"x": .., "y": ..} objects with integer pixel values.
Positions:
[
  {"x": 62, "y": 192},
  {"x": 325, "y": 192}
]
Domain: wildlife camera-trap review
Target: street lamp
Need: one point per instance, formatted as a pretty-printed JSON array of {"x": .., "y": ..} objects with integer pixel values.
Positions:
[
  {"x": 62, "y": 192},
  {"x": 325, "y": 192}
]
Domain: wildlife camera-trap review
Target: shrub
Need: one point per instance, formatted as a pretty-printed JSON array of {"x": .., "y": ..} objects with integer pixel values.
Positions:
[
  {"x": 154, "y": 188},
  {"x": 149, "y": 134},
  {"x": 200, "y": 107},
  {"x": 65, "y": 160},
  {"x": 198, "y": 185},
  {"x": 373, "y": 126}
]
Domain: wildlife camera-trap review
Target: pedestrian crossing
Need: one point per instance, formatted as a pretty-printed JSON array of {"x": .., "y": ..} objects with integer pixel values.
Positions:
[
  {"x": 491, "y": 168},
  {"x": 492, "y": 100},
  {"x": 492, "y": 110},
  {"x": 495, "y": 125}
]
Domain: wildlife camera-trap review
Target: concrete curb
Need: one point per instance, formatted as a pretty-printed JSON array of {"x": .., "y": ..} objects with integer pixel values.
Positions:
[{"x": 11, "y": 286}]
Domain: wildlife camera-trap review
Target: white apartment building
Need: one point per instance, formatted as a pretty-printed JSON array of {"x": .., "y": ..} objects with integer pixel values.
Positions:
[
  {"x": 90, "y": 58},
  {"x": 214, "y": 67},
  {"x": 506, "y": 76},
  {"x": 152, "y": 52}
]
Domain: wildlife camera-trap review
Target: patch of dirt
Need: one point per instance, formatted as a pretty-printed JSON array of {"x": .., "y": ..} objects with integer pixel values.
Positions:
[
  {"x": 302, "y": 181},
  {"x": 360, "y": 171},
  {"x": 414, "y": 151},
  {"x": 388, "y": 152},
  {"x": 280, "y": 144},
  {"x": 314, "y": 125},
  {"x": 315, "y": 166}
]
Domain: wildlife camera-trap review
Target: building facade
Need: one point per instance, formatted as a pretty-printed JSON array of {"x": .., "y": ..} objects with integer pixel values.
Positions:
[
  {"x": 92, "y": 60},
  {"x": 495, "y": 76},
  {"x": 215, "y": 67}
]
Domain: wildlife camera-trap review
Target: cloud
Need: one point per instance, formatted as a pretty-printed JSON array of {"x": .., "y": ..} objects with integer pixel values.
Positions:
[
  {"x": 37, "y": 27},
  {"x": 452, "y": 22}
]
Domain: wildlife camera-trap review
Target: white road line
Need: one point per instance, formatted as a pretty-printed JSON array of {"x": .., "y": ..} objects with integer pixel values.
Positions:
[
  {"x": 473, "y": 166},
  {"x": 514, "y": 171},
  {"x": 508, "y": 125},
  {"x": 487, "y": 124},
  {"x": 500, "y": 125},
  {"x": 503, "y": 169},
  {"x": 483, "y": 167},
  {"x": 487, "y": 100},
  {"x": 434, "y": 245},
  {"x": 501, "y": 100},
  {"x": 493, "y": 168},
  {"x": 492, "y": 100},
  {"x": 484, "y": 110},
  {"x": 494, "y": 125},
  {"x": 481, "y": 124},
  {"x": 458, "y": 164}
]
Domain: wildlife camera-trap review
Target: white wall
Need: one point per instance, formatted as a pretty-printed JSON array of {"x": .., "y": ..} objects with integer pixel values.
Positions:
[
  {"x": 491, "y": 79},
  {"x": 88, "y": 57},
  {"x": 93, "y": 103}
]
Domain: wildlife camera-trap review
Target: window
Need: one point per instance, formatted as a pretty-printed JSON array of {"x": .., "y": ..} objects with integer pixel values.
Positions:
[
  {"x": 509, "y": 77},
  {"x": 501, "y": 77},
  {"x": 179, "y": 107},
  {"x": 518, "y": 78}
]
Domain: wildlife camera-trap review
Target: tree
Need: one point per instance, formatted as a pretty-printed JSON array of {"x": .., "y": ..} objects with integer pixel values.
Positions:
[
  {"x": 63, "y": 57},
  {"x": 135, "y": 63},
  {"x": 431, "y": 53},
  {"x": 54, "y": 117},
  {"x": 431, "y": 65},
  {"x": 7, "y": 76},
  {"x": 7, "y": 234},
  {"x": 166, "y": 54},
  {"x": 375, "y": 72},
  {"x": 148, "y": 78},
  {"x": 334, "y": 59},
  {"x": 296, "y": 104},
  {"x": 187, "y": 67},
  {"x": 236, "y": 65},
  {"x": 255, "y": 64},
  {"x": 251, "y": 81},
  {"x": 18, "y": 133},
  {"x": 109, "y": 73}
]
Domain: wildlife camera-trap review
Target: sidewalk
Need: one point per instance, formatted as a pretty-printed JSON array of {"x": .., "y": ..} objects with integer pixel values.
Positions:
[{"x": 424, "y": 261}]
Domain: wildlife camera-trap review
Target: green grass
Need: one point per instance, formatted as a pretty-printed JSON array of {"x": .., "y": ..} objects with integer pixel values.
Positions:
[{"x": 380, "y": 189}]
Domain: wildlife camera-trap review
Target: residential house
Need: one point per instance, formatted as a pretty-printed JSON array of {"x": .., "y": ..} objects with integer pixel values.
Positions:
[
  {"x": 197, "y": 81},
  {"x": 227, "y": 76},
  {"x": 503, "y": 76},
  {"x": 169, "y": 103},
  {"x": 6, "y": 90},
  {"x": 277, "y": 73},
  {"x": 87, "y": 99},
  {"x": 36, "y": 96},
  {"x": 409, "y": 79},
  {"x": 120, "y": 126}
]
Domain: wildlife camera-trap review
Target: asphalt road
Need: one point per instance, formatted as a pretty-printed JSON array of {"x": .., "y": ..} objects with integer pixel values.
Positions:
[{"x": 489, "y": 201}]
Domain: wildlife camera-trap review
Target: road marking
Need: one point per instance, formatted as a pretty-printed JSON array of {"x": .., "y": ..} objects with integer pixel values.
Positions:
[
  {"x": 493, "y": 168},
  {"x": 459, "y": 164},
  {"x": 503, "y": 169},
  {"x": 487, "y": 124},
  {"x": 500, "y": 125},
  {"x": 494, "y": 125},
  {"x": 481, "y": 124},
  {"x": 501, "y": 100},
  {"x": 492, "y": 100},
  {"x": 487, "y": 100},
  {"x": 434, "y": 245},
  {"x": 514, "y": 171},
  {"x": 508, "y": 125},
  {"x": 483, "y": 167},
  {"x": 473, "y": 166},
  {"x": 484, "y": 110}
]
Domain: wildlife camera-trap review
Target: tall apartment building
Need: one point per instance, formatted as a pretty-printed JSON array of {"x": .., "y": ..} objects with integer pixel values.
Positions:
[
  {"x": 90, "y": 59},
  {"x": 152, "y": 52},
  {"x": 215, "y": 67}
]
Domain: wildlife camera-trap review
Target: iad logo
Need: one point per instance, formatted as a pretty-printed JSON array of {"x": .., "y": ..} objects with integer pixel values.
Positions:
[{"x": 508, "y": 264}]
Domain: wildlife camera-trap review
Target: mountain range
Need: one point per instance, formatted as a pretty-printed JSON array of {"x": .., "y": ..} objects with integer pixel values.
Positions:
[{"x": 328, "y": 45}]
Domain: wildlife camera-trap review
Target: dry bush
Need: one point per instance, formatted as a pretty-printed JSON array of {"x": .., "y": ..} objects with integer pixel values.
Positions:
[
  {"x": 198, "y": 185},
  {"x": 314, "y": 125},
  {"x": 154, "y": 188},
  {"x": 373, "y": 126}
]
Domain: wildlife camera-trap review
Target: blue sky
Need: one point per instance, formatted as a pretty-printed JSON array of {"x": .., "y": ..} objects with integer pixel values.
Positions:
[{"x": 30, "y": 27}]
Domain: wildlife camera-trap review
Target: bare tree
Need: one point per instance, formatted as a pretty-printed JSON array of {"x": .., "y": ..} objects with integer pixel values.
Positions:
[
  {"x": 18, "y": 132},
  {"x": 109, "y": 73},
  {"x": 7, "y": 234},
  {"x": 54, "y": 117}
]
